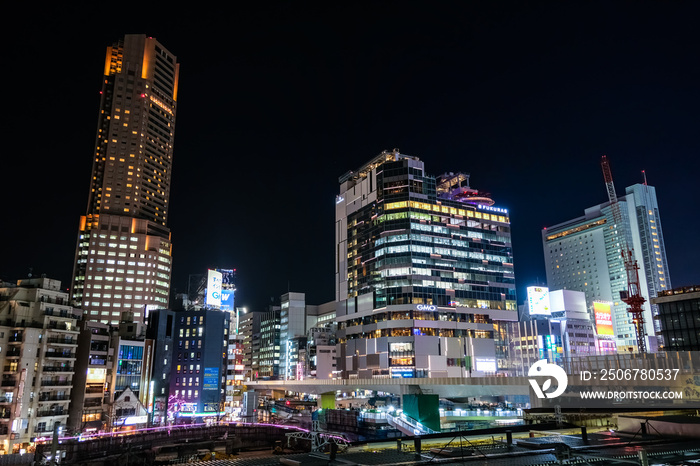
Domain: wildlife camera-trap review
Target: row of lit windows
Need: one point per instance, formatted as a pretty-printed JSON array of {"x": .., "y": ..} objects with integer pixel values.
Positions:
[
  {"x": 444, "y": 210},
  {"x": 187, "y": 394},
  {"x": 414, "y": 248}
]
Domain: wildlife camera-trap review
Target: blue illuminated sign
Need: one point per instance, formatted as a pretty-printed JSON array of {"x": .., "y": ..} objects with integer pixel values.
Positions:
[
  {"x": 227, "y": 300},
  {"x": 211, "y": 378}
]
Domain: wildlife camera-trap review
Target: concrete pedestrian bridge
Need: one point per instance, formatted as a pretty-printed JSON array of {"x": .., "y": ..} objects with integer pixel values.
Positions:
[
  {"x": 446, "y": 387},
  {"x": 616, "y": 378}
]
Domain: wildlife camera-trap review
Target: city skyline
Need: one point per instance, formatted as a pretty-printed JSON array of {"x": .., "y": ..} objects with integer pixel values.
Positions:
[{"x": 525, "y": 99}]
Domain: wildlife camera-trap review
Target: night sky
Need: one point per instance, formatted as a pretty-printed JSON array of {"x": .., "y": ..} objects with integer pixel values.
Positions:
[{"x": 277, "y": 100}]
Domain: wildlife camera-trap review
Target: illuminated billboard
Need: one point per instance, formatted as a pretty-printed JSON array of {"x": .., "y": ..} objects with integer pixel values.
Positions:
[
  {"x": 227, "y": 300},
  {"x": 603, "y": 318},
  {"x": 213, "y": 288},
  {"x": 538, "y": 300}
]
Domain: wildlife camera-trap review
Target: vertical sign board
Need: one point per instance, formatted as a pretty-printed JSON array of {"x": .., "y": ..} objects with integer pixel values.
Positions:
[
  {"x": 213, "y": 288},
  {"x": 603, "y": 318},
  {"x": 211, "y": 378},
  {"x": 227, "y": 300},
  {"x": 538, "y": 300}
]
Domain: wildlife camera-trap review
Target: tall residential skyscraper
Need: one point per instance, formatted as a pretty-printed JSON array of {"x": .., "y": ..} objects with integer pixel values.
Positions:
[
  {"x": 584, "y": 254},
  {"x": 424, "y": 273},
  {"x": 123, "y": 254}
]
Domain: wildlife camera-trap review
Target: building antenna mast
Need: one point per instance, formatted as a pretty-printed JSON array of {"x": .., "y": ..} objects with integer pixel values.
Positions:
[{"x": 632, "y": 296}]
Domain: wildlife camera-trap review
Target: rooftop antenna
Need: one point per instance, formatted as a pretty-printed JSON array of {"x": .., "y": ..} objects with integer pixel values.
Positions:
[{"x": 644, "y": 173}]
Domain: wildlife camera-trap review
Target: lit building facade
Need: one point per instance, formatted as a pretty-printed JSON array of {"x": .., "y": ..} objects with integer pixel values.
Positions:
[
  {"x": 557, "y": 328},
  {"x": 300, "y": 320},
  {"x": 39, "y": 337},
  {"x": 424, "y": 273},
  {"x": 679, "y": 316},
  {"x": 199, "y": 361},
  {"x": 89, "y": 413},
  {"x": 584, "y": 254},
  {"x": 123, "y": 252},
  {"x": 267, "y": 358},
  {"x": 249, "y": 328}
]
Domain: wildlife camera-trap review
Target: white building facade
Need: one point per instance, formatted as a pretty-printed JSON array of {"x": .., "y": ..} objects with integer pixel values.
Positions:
[{"x": 584, "y": 254}]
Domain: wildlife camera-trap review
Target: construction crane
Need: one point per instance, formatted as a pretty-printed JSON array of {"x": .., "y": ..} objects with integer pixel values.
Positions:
[{"x": 633, "y": 295}]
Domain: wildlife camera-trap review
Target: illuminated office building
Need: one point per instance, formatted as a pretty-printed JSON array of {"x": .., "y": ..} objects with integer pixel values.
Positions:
[
  {"x": 679, "y": 316},
  {"x": 424, "y": 273},
  {"x": 584, "y": 254},
  {"x": 123, "y": 253}
]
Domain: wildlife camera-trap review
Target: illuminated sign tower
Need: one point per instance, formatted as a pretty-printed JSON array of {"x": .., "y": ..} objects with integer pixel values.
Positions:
[{"x": 123, "y": 254}]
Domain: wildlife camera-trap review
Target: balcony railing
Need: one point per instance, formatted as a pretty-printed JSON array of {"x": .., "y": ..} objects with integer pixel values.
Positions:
[
  {"x": 59, "y": 354},
  {"x": 61, "y": 341},
  {"x": 12, "y": 352},
  {"x": 51, "y": 412},
  {"x": 43, "y": 399},
  {"x": 62, "y": 326},
  {"x": 8, "y": 382},
  {"x": 56, "y": 383},
  {"x": 46, "y": 299},
  {"x": 28, "y": 324},
  {"x": 58, "y": 368},
  {"x": 92, "y": 402},
  {"x": 61, "y": 313},
  {"x": 17, "y": 338},
  {"x": 94, "y": 389}
]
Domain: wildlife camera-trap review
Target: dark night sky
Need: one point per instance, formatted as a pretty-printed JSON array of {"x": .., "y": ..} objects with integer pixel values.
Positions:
[{"x": 278, "y": 100}]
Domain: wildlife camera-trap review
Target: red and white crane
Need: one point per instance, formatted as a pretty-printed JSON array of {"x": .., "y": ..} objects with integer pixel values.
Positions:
[{"x": 633, "y": 295}]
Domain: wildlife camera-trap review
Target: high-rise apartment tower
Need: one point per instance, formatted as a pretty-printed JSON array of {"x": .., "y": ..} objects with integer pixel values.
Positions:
[{"x": 123, "y": 254}]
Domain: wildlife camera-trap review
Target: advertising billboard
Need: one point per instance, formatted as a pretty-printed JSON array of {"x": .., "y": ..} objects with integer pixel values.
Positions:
[
  {"x": 538, "y": 300},
  {"x": 213, "y": 288},
  {"x": 227, "y": 300},
  {"x": 211, "y": 378},
  {"x": 603, "y": 318}
]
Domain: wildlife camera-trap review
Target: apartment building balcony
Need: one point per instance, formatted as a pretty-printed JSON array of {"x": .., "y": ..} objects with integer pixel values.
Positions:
[
  {"x": 62, "y": 327},
  {"x": 56, "y": 369},
  {"x": 15, "y": 338},
  {"x": 52, "y": 300},
  {"x": 12, "y": 352},
  {"x": 94, "y": 390},
  {"x": 23, "y": 324},
  {"x": 99, "y": 346},
  {"x": 8, "y": 381},
  {"x": 61, "y": 341},
  {"x": 56, "y": 383},
  {"x": 98, "y": 331},
  {"x": 60, "y": 313},
  {"x": 47, "y": 398},
  {"x": 52, "y": 412},
  {"x": 92, "y": 403},
  {"x": 52, "y": 354},
  {"x": 5, "y": 414}
]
